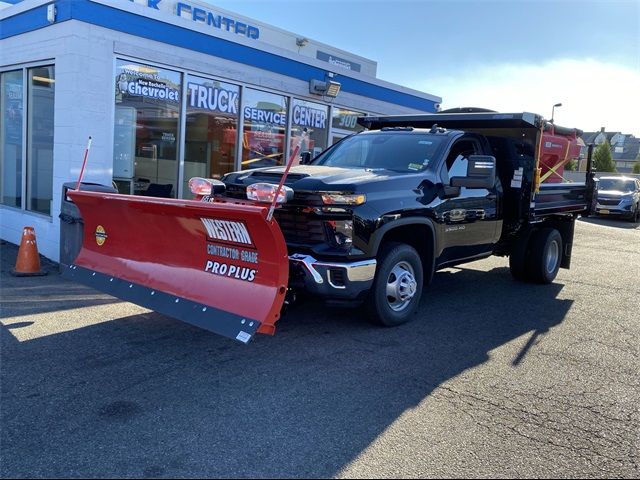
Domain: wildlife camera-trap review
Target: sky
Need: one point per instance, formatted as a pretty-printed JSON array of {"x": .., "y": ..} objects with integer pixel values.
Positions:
[{"x": 504, "y": 55}]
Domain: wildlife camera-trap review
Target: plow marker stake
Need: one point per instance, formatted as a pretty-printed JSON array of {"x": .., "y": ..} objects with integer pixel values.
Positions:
[{"x": 220, "y": 266}]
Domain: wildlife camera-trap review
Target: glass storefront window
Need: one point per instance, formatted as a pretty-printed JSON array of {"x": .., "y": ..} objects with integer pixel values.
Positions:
[
  {"x": 344, "y": 122},
  {"x": 211, "y": 127},
  {"x": 313, "y": 117},
  {"x": 11, "y": 116},
  {"x": 146, "y": 130},
  {"x": 41, "y": 94},
  {"x": 265, "y": 125}
]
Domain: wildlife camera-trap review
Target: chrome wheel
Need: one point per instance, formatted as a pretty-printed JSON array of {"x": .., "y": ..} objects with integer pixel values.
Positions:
[
  {"x": 552, "y": 256},
  {"x": 401, "y": 286}
]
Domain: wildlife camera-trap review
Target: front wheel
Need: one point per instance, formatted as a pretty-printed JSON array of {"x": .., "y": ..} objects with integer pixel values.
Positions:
[
  {"x": 545, "y": 255},
  {"x": 397, "y": 286}
]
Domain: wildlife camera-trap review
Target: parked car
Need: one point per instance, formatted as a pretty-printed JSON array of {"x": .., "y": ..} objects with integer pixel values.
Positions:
[{"x": 619, "y": 197}]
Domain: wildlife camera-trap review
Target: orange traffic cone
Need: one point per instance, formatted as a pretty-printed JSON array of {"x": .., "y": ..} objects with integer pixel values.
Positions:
[{"x": 28, "y": 261}]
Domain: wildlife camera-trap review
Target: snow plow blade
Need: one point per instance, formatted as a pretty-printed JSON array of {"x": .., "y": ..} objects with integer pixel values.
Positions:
[{"x": 220, "y": 266}]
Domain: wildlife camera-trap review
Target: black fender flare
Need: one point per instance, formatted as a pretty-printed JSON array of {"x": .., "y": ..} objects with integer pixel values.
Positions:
[{"x": 379, "y": 234}]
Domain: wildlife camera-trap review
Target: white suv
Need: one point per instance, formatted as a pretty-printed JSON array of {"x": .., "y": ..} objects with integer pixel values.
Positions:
[{"x": 619, "y": 197}]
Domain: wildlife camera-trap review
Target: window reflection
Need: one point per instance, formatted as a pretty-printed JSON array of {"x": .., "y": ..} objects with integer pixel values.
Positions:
[
  {"x": 265, "y": 125},
  {"x": 40, "y": 139},
  {"x": 146, "y": 129},
  {"x": 11, "y": 98},
  {"x": 312, "y": 117},
  {"x": 212, "y": 122}
]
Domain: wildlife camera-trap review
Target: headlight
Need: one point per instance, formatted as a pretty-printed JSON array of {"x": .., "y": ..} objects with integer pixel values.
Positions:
[
  {"x": 205, "y": 186},
  {"x": 265, "y": 192},
  {"x": 346, "y": 199}
]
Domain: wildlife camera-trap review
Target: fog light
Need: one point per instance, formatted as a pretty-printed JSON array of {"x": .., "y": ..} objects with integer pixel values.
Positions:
[
  {"x": 265, "y": 192},
  {"x": 342, "y": 232}
]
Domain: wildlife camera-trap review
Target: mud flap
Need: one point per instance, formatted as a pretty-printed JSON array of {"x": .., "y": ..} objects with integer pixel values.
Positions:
[{"x": 220, "y": 266}]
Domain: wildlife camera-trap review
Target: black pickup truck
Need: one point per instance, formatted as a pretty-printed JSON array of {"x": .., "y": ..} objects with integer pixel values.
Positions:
[{"x": 375, "y": 215}]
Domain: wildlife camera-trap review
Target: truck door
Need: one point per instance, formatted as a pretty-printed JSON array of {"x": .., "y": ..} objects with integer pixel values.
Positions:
[{"x": 467, "y": 222}]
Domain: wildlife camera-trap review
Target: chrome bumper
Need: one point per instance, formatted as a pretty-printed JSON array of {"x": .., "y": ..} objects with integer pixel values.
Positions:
[{"x": 339, "y": 280}]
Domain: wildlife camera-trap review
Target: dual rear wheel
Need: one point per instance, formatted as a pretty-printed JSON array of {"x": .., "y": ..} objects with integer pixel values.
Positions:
[{"x": 536, "y": 258}]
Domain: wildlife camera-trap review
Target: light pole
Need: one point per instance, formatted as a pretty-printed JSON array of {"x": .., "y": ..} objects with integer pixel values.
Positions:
[{"x": 554, "y": 107}]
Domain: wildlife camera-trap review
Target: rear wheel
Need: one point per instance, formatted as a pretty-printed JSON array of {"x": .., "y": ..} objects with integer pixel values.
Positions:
[
  {"x": 397, "y": 286},
  {"x": 543, "y": 261}
]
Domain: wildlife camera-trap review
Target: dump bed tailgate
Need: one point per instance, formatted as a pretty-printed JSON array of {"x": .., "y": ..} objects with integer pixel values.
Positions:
[{"x": 559, "y": 198}]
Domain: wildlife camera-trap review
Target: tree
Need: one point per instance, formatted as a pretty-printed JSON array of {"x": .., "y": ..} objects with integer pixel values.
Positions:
[
  {"x": 602, "y": 159},
  {"x": 636, "y": 166},
  {"x": 571, "y": 166}
]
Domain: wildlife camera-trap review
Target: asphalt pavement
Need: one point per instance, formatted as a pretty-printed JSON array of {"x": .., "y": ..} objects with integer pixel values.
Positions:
[{"x": 493, "y": 378}]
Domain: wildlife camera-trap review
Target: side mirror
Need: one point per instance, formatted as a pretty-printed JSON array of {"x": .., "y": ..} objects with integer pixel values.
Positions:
[
  {"x": 481, "y": 173},
  {"x": 305, "y": 158}
]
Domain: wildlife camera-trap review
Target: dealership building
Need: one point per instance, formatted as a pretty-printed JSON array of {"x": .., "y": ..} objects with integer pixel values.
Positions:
[{"x": 167, "y": 90}]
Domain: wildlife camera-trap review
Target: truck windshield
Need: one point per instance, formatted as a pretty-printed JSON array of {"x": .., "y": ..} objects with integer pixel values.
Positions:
[
  {"x": 616, "y": 184},
  {"x": 393, "y": 150}
]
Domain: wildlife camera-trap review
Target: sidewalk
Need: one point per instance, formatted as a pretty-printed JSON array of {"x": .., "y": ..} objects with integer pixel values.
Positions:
[
  {"x": 23, "y": 296},
  {"x": 9, "y": 253}
]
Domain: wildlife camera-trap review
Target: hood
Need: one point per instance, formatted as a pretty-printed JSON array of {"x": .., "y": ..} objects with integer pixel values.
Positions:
[{"x": 316, "y": 178}]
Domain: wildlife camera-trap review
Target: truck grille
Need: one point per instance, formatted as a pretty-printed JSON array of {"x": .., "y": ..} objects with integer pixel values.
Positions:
[
  {"x": 606, "y": 201},
  {"x": 236, "y": 191},
  {"x": 300, "y": 228}
]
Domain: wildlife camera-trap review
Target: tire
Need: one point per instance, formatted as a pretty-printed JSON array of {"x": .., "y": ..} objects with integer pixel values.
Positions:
[
  {"x": 397, "y": 286},
  {"x": 543, "y": 261},
  {"x": 635, "y": 216},
  {"x": 518, "y": 258}
]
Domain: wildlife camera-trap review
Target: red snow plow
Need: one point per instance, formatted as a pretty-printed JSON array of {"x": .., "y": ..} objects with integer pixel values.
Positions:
[{"x": 223, "y": 267}]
